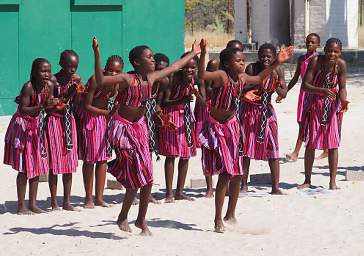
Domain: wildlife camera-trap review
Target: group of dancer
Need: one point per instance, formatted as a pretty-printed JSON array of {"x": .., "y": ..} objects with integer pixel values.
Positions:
[{"x": 59, "y": 121}]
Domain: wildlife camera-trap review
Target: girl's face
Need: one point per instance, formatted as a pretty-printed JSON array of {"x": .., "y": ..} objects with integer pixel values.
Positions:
[
  {"x": 70, "y": 64},
  {"x": 332, "y": 52},
  {"x": 312, "y": 43},
  {"x": 190, "y": 69},
  {"x": 146, "y": 60},
  {"x": 266, "y": 57},
  {"x": 43, "y": 73},
  {"x": 161, "y": 65},
  {"x": 236, "y": 62},
  {"x": 114, "y": 68}
]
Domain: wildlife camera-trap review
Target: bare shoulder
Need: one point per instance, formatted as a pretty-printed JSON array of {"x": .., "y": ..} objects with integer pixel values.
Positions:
[
  {"x": 27, "y": 88},
  {"x": 163, "y": 83},
  {"x": 213, "y": 65},
  {"x": 342, "y": 64}
]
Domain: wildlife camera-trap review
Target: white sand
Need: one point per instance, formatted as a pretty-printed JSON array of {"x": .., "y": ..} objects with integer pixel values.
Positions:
[{"x": 330, "y": 223}]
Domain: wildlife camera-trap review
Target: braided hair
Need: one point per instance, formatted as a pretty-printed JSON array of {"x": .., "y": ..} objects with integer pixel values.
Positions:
[
  {"x": 114, "y": 58},
  {"x": 227, "y": 54},
  {"x": 334, "y": 40},
  {"x": 136, "y": 53}
]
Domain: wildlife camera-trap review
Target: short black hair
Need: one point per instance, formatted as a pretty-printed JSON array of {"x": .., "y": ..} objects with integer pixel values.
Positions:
[
  {"x": 35, "y": 66},
  {"x": 136, "y": 52},
  {"x": 315, "y": 35},
  {"x": 65, "y": 54},
  {"x": 159, "y": 57},
  {"x": 267, "y": 46},
  {"x": 233, "y": 43},
  {"x": 227, "y": 54},
  {"x": 196, "y": 58}
]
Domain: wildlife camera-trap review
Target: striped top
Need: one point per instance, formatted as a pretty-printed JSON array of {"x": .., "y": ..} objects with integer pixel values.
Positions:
[
  {"x": 304, "y": 64},
  {"x": 179, "y": 91},
  {"x": 136, "y": 94},
  {"x": 35, "y": 98},
  {"x": 223, "y": 97}
]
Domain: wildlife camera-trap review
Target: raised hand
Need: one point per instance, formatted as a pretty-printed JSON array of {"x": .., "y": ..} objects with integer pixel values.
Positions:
[
  {"x": 196, "y": 47},
  {"x": 95, "y": 44},
  {"x": 203, "y": 45},
  {"x": 285, "y": 53}
]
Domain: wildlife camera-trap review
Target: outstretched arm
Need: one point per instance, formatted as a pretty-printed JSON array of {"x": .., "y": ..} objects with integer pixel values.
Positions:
[
  {"x": 124, "y": 80},
  {"x": 156, "y": 75},
  {"x": 283, "y": 55},
  {"x": 296, "y": 75}
]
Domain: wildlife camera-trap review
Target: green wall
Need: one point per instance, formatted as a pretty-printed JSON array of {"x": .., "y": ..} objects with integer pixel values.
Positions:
[{"x": 44, "y": 28}]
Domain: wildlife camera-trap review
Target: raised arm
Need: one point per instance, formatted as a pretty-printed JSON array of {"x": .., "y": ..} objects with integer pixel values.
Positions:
[
  {"x": 124, "y": 80},
  {"x": 283, "y": 55},
  {"x": 218, "y": 77},
  {"x": 156, "y": 75}
]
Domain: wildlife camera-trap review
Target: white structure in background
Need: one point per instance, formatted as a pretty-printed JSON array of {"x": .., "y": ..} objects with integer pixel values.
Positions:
[{"x": 289, "y": 21}]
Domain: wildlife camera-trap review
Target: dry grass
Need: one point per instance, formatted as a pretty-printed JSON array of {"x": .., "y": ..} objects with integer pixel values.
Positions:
[
  {"x": 361, "y": 37},
  {"x": 214, "y": 39}
]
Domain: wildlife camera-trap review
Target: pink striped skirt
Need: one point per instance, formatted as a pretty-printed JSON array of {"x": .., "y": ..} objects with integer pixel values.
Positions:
[
  {"x": 219, "y": 146},
  {"x": 201, "y": 115},
  {"x": 61, "y": 160},
  {"x": 22, "y": 146},
  {"x": 94, "y": 135},
  {"x": 133, "y": 166},
  {"x": 250, "y": 116},
  {"x": 323, "y": 136},
  {"x": 173, "y": 142}
]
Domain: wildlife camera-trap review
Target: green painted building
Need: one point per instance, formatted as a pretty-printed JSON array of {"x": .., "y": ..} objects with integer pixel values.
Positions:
[{"x": 44, "y": 28}]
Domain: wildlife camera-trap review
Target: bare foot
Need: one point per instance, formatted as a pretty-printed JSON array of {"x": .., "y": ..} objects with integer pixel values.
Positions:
[
  {"x": 153, "y": 200},
  {"x": 54, "y": 209},
  {"x": 24, "y": 211},
  {"x": 35, "y": 209},
  {"x": 183, "y": 196},
  {"x": 89, "y": 204},
  {"x": 68, "y": 207},
  {"x": 292, "y": 157},
  {"x": 276, "y": 192},
  {"x": 54, "y": 206},
  {"x": 230, "y": 220},
  {"x": 323, "y": 155},
  {"x": 123, "y": 225},
  {"x": 144, "y": 227},
  {"x": 244, "y": 189},
  {"x": 219, "y": 226},
  {"x": 333, "y": 186},
  {"x": 169, "y": 199},
  {"x": 304, "y": 185},
  {"x": 102, "y": 203},
  {"x": 209, "y": 193}
]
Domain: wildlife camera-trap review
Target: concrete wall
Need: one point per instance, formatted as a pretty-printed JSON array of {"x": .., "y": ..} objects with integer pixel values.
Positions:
[{"x": 240, "y": 24}]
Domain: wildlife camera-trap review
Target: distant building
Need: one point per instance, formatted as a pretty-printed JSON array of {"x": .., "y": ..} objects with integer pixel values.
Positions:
[{"x": 289, "y": 21}]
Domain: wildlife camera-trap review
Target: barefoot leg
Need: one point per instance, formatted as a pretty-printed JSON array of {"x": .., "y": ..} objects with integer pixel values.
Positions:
[
  {"x": 234, "y": 188},
  {"x": 219, "y": 202},
  {"x": 309, "y": 158},
  {"x": 333, "y": 160},
  {"x": 294, "y": 155},
  {"x": 143, "y": 207},
  {"x": 88, "y": 180},
  {"x": 21, "y": 186},
  {"x": 182, "y": 173},
  {"x": 169, "y": 170},
  {"x": 274, "y": 170},
  {"x": 67, "y": 185},
  {"x": 244, "y": 182},
  {"x": 100, "y": 175},
  {"x": 33, "y": 189},
  {"x": 52, "y": 183},
  {"x": 123, "y": 215},
  {"x": 210, "y": 191}
]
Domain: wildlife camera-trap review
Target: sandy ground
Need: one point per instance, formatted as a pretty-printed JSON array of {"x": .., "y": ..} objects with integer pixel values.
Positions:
[{"x": 299, "y": 223}]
